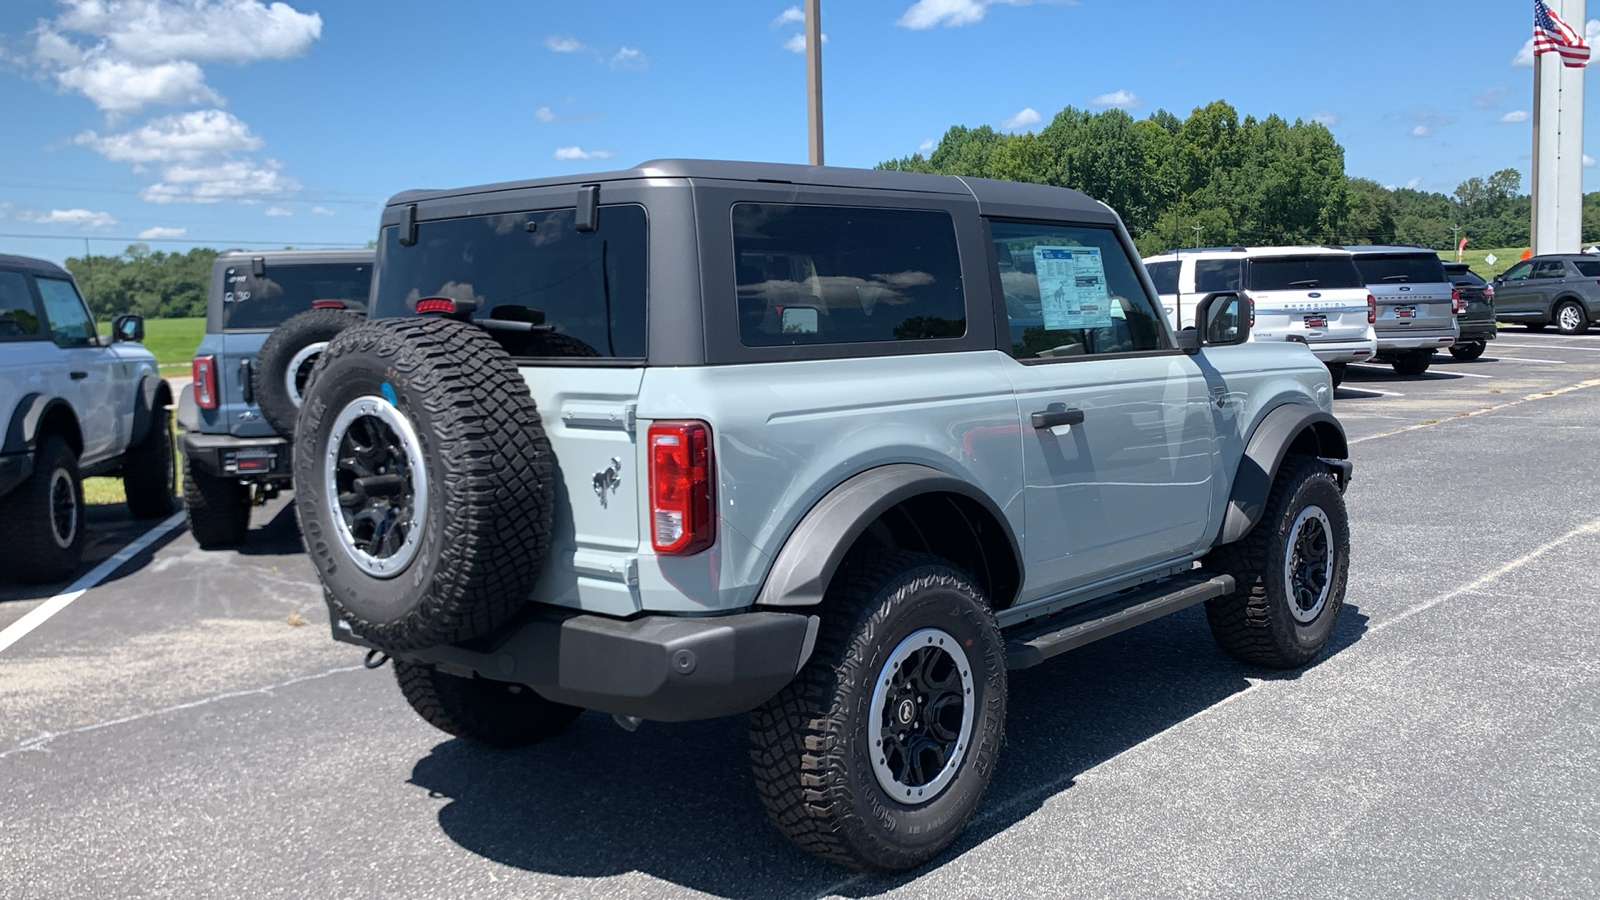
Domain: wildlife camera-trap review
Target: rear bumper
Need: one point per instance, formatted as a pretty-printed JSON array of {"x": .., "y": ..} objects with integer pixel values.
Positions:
[
  {"x": 14, "y": 469},
  {"x": 1420, "y": 340},
  {"x": 1481, "y": 330},
  {"x": 266, "y": 459},
  {"x": 1343, "y": 351},
  {"x": 663, "y": 668}
]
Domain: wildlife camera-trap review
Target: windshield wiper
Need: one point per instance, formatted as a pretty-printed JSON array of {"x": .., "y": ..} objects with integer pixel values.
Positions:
[
  {"x": 1309, "y": 282},
  {"x": 1397, "y": 278}
]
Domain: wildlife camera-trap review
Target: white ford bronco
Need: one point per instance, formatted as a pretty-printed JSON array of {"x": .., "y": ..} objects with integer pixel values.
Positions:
[
  {"x": 76, "y": 405},
  {"x": 836, "y": 448}
]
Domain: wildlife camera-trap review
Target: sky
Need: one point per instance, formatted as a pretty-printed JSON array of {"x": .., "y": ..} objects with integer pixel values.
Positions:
[{"x": 242, "y": 123}]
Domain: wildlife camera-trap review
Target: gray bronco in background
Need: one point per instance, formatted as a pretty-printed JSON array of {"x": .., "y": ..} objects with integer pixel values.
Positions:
[{"x": 836, "y": 448}]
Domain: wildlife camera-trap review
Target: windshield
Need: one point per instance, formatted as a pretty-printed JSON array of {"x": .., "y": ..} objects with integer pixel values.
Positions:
[
  {"x": 1165, "y": 276},
  {"x": 583, "y": 292},
  {"x": 251, "y": 302},
  {"x": 1303, "y": 273},
  {"x": 1414, "y": 269}
]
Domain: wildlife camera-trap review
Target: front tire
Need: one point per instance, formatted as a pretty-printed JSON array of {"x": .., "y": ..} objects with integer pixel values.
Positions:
[
  {"x": 1413, "y": 364},
  {"x": 149, "y": 472},
  {"x": 1469, "y": 351},
  {"x": 1289, "y": 571},
  {"x": 41, "y": 520},
  {"x": 877, "y": 754},
  {"x": 218, "y": 509},
  {"x": 490, "y": 712},
  {"x": 1571, "y": 318}
]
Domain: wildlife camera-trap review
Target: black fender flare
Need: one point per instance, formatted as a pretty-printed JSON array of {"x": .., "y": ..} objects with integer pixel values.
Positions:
[
  {"x": 1263, "y": 455},
  {"x": 800, "y": 573},
  {"x": 22, "y": 433},
  {"x": 153, "y": 394}
]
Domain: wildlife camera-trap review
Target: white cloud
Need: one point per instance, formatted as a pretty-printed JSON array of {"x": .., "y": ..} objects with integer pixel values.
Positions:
[
  {"x": 575, "y": 153},
  {"x": 791, "y": 16},
  {"x": 1023, "y": 118},
  {"x": 117, "y": 86},
  {"x": 564, "y": 43},
  {"x": 320, "y": 210},
  {"x": 77, "y": 218},
  {"x": 1515, "y": 116},
  {"x": 159, "y": 232},
  {"x": 1421, "y": 131},
  {"x": 1414, "y": 183},
  {"x": 178, "y": 138},
  {"x": 954, "y": 13},
  {"x": 629, "y": 58},
  {"x": 236, "y": 180},
  {"x": 278, "y": 212},
  {"x": 544, "y": 114},
  {"x": 1588, "y": 161},
  {"x": 1122, "y": 99},
  {"x": 797, "y": 43},
  {"x": 927, "y": 146},
  {"x": 1327, "y": 117},
  {"x": 5, "y": 208},
  {"x": 1524, "y": 57}
]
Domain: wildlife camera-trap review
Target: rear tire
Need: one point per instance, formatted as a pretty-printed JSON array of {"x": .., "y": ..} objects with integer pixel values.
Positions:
[
  {"x": 288, "y": 357},
  {"x": 41, "y": 520},
  {"x": 1289, "y": 572},
  {"x": 149, "y": 473},
  {"x": 1571, "y": 318},
  {"x": 218, "y": 509},
  {"x": 490, "y": 712},
  {"x": 1337, "y": 371},
  {"x": 1468, "y": 351},
  {"x": 1413, "y": 364},
  {"x": 848, "y": 761}
]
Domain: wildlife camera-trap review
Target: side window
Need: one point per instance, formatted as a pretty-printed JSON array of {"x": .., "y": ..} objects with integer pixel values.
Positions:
[
  {"x": 1165, "y": 276},
  {"x": 19, "y": 317},
  {"x": 70, "y": 325},
  {"x": 1550, "y": 268},
  {"x": 831, "y": 275},
  {"x": 1588, "y": 268},
  {"x": 1218, "y": 275},
  {"x": 1071, "y": 290}
]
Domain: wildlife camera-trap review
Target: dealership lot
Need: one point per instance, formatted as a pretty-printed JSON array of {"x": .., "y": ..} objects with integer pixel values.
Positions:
[{"x": 170, "y": 733}]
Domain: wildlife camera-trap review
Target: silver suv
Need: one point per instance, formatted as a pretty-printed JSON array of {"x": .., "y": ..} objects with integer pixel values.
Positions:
[
  {"x": 836, "y": 448},
  {"x": 1417, "y": 304}
]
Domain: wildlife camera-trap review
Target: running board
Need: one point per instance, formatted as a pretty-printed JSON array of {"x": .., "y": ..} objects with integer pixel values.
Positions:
[{"x": 1102, "y": 618}]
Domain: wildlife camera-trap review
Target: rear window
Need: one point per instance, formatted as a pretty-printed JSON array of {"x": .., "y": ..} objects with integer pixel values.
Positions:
[
  {"x": 19, "y": 317},
  {"x": 1308, "y": 273},
  {"x": 1165, "y": 276},
  {"x": 1589, "y": 268},
  {"x": 583, "y": 291},
  {"x": 1402, "y": 269},
  {"x": 1218, "y": 275},
  {"x": 252, "y": 303},
  {"x": 830, "y": 275}
]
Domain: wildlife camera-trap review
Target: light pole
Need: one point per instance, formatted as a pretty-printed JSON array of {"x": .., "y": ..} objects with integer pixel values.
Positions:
[
  {"x": 814, "y": 77},
  {"x": 1197, "y": 229}
]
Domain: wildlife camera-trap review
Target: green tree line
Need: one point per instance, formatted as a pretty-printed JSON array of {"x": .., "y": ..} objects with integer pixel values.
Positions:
[{"x": 155, "y": 284}]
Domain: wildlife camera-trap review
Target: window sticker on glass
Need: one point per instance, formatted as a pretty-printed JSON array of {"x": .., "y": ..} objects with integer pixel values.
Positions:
[{"x": 1072, "y": 287}]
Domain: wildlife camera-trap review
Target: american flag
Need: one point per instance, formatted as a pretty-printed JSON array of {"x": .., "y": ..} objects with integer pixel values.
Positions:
[{"x": 1551, "y": 35}]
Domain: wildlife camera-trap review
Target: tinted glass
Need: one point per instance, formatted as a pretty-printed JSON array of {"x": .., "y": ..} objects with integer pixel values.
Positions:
[
  {"x": 1463, "y": 274},
  {"x": 1550, "y": 268},
  {"x": 1518, "y": 272},
  {"x": 1302, "y": 273},
  {"x": 1589, "y": 268},
  {"x": 1165, "y": 276},
  {"x": 263, "y": 303},
  {"x": 1218, "y": 275},
  {"x": 1401, "y": 269},
  {"x": 1072, "y": 290},
  {"x": 830, "y": 275},
  {"x": 70, "y": 325},
  {"x": 19, "y": 318},
  {"x": 583, "y": 291}
]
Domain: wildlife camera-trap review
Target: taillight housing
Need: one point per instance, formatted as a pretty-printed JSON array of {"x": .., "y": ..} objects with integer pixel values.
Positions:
[
  {"x": 1372, "y": 310},
  {"x": 1456, "y": 303},
  {"x": 327, "y": 304},
  {"x": 682, "y": 479},
  {"x": 437, "y": 305},
  {"x": 204, "y": 372}
]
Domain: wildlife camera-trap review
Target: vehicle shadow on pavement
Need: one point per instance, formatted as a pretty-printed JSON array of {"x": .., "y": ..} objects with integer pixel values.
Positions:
[
  {"x": 677, "y": 802},
  {"x": 107, "y": 529},
  {"x": 280, "y": 536}
]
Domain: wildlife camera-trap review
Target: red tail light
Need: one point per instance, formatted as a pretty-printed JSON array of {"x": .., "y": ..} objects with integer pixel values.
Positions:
[
  {"x": 437, "y": 305},
  {"x": 1456, "y": 305},
  {"x": 681, "y": 497},
  {"x": 327, "y": 304},
  {"x": 204, "y": 372},
  {"x": 1372, "y": 309}
]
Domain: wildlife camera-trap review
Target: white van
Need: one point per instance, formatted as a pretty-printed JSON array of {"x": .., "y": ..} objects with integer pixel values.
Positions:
[{"x": 1310, "y": 295}]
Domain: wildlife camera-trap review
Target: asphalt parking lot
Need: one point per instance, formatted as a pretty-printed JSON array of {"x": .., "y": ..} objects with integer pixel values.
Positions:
[{"x": 171, "y": 733}]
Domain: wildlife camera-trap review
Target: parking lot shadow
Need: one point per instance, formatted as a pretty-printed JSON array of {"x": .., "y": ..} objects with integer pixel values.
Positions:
[
  {"x": 107, "y": 529},
  {"x": 677, "y": 802},
  {"x": 280, "y": 536}
]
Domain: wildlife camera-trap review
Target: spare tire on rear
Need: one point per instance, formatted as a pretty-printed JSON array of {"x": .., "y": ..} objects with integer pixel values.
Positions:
[
  {"x": 283, "y": 367},
  {"x": 424, "y": 482}
]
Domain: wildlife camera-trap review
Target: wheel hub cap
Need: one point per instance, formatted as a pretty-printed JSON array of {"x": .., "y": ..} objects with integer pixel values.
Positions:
[
  {"x": 922, "y": 713},
  {"x": 63, "y": 509},
  {"x": 1569, "y": 317},
  {"x": 377, "y": 486},
  {"x": 1308, "y": 566}
]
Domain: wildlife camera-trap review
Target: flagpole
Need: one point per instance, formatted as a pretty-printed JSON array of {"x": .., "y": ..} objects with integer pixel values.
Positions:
[{"x": 1538, "y": 108}]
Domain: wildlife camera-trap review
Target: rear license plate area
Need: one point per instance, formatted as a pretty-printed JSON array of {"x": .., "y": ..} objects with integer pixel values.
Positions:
[
  {"x": 1405, "y": 312},
  {"x": 1316, "y": 321},
  {"x": 249, "y": 461}
]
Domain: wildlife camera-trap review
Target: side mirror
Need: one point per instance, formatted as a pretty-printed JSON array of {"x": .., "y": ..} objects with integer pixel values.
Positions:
[
  {"x": 1223, "y": 320},
  {"x": 128, "y": 327}
]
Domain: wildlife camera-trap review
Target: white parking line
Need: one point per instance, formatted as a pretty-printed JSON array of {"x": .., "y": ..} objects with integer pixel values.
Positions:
[
  {"x": 1548, "y": 362},
  {"x": 1556, "y": 347},
  {"x": 42, "y": 613},
  {"x": 1452, "y": 372}
]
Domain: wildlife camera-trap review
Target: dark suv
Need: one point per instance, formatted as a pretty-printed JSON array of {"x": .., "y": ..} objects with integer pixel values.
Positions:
[
  {"x": 1557, "y": 289},
  {"x": 1476, "y": 311}
]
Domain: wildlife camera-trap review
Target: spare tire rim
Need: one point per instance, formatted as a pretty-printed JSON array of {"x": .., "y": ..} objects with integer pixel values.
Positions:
[
  {"x": 298, "y": 373},
  {"x": 63, "y": 509},
  {"x": 1308, "y": 566},
  {"x": 377, "y": 486},
  {"x": 1570, "y": 318},
  {"x": 921, "y": 716}
]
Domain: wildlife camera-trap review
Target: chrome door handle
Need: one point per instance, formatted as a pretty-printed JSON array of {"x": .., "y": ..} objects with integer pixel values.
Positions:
[{"x": 1052, "y": 418}]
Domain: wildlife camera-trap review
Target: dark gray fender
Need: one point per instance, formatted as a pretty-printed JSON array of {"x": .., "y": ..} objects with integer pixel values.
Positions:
[
  {"x": 805, "y": 565},
  {"x": 22, "y": 433},
  {"x": 153, "y": 395},
  {"x": 1264, "y": 453}
]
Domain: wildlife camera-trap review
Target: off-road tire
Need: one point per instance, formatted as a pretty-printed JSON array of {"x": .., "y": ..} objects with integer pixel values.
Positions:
[
  {"x": 314, "y": 326},
  {"x": 1581, "y": 317},
  {"x": 1469, "y": 351},
  {"x": 1413, "y": 364},
  {"x": 810, "y": 744},
  {"x": 1337, "y": 372},
  {"x": 27, "y": 518},
  {"x": 149, "y": 472},
  {"x": 489, "y": 474},
  {"x": 490, "y": 712},
  {"x": 218, "y": 508},
  {"x": 1254, "y": 624}
]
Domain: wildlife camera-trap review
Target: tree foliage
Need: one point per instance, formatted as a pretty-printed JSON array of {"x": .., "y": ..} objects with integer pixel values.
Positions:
[{"x": 154, "y": 284}]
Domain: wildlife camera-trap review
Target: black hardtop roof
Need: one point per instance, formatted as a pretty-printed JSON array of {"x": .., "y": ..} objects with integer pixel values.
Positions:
[
  {"x": 984, "y": 190},
  {"x": 1390, "y": 250},
  {"x": 1578, "y": 255},
  {"x": 32, "y": 266}
]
